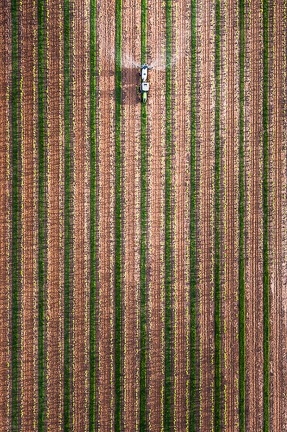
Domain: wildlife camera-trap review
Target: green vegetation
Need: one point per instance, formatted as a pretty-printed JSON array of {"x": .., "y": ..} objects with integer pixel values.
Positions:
[
  {"x": 168, "y": 180},
  {"x": 67, "y": 216},
  {"x": 14, "y": 103},
  {"x": 143, "y": 365},
  {"x": 193, "y": 377},
  {"x": 93, "y": 156},
  {"x": 42, "y": 214},
  {"x": 118, "y": 229},
  {"x": 217, "y": 219},
  {"x": 265, "y": 217},
  {"x": 241, "y": 209}
]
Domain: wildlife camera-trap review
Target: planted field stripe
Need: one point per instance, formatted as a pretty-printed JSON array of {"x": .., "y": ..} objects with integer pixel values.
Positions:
[
  {"x": 29, "y": 224},
  {"x": 5, "y": 217},
  {"x": 15, "y": 270},
  {"x": 217, "y": 227},
  {"x": 206, "y": 162},
  {"x": 193, "y": 373},
  {"x": 229, "y": 114},
  {"x": 168, "y": 382},
  {"x": 67, "y": 7},
  {"x": 277, "y": 233},
  {"x": 118, "y": 217},
  {"x": 241, "y": 211},
  {"x": 265, "y": 205},
  {"x": 93, "y": 215},
  {"x": 54, "y": 332},
  {"x": 131, "y": 134},
  {"x": 155, "y": 219},
  {"x": 180, "y": 214},
  {"x": 42, "y": 245},
  {"x": 81, "y": 218},
  {"x": 106, "y": 217},
  {"x": 254, "y": 217},
  {"x": 143, "y": 237}
]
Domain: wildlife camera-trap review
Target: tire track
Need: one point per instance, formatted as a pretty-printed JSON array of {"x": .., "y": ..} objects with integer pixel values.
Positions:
[
  {"x": 5, "y": 217},
  {"x": 55, "y": 218},
  {"x": 205, "y": 133},
  {"x": 155, "y": 218},
  {"x": 131, "y": 130},
  {"x": 106, "y": 214},
  {"x": 180, "y": 212},
  {"x": 81, "y": 223},
  {"x": 29, "y": 214},
  {"x": 276, "y": 178},
  {"x": 229, "y": 205},
  {"x": 254, "y": 218}
]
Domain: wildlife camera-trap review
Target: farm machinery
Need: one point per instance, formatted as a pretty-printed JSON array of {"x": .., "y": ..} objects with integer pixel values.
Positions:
[{"x": 144, "y": 86}]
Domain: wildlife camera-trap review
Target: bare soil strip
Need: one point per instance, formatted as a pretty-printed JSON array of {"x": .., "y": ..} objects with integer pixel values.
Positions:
[
  {"x": 254, "y": 222},
  {"x": 5, "y": 216},
  {"x": 229, "y": 205},
  {"x": 106, "y": 213},
  {"x": 180, "y": 211},
  {"x": 29, "y": 223},
  {"x": 55, "y": 217},
  {"x": 131, "y": 129},
  {"x": 205, "y": 134},
  {"x": 277, "y": 223},
  {"x": 80, "y": 248},
  {"x": 155, "y": 216}
]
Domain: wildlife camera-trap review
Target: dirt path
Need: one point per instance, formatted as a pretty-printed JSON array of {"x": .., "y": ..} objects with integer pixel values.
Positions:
[
  {"x": 105, "y": 208},
  {"x": 276, "y": 179},
  {"x": 131, "y": 128},
  {"x": 155, "y": 217},
  {"x": 80, "y": 188},
  {"x": 229, "y": 205},
  {"x": 29, "y": 288},
  {"x": 253, "y": 166},
  {"x": 205, "y": 134},
  {"x": 180, "y": 209},
  {"x": 5, "y": 215},
  {"x": 55, "y": 217}
]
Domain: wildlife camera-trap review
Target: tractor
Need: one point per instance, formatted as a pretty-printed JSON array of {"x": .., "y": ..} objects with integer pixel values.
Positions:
[{"x": 144, "y": 87}]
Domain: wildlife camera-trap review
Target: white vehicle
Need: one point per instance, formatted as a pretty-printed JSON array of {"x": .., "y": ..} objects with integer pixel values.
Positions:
[{"x": 144, "y": 87}]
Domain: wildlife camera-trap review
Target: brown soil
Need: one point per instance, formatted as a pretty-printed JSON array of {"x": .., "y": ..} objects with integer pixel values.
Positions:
[
  {"x": 55, "y": 222},
  {"x": 205, "y": 212},
  {"x": 80, "y": 274},
  {"x": 229, "y": 205},
  {"x": 253, "y": 163},
  {"x": 28, "y": 317},
  {"x": 277, "y": 402},
  {"x": 105, "y": 206},
  {"x": 5, "y": 216},
  {"x": 180, "y": 211},
  {"x": 155, "y": 240},
  {"x": 131, "y": 129}
]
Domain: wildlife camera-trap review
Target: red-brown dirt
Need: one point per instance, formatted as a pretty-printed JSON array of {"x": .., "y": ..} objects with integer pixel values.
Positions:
[
  {"x": 105, "y": 206},
  {"x": 155, "y": 217},
  {"x": 29, "y": 289},
  {"x": 80, "y": 191},
  {"x": 131, "y": 130},
  {"x": 55, "y": 218}
]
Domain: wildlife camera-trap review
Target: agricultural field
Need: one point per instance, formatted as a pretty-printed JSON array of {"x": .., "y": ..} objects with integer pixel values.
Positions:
[{"x": 143, "y": 259}]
